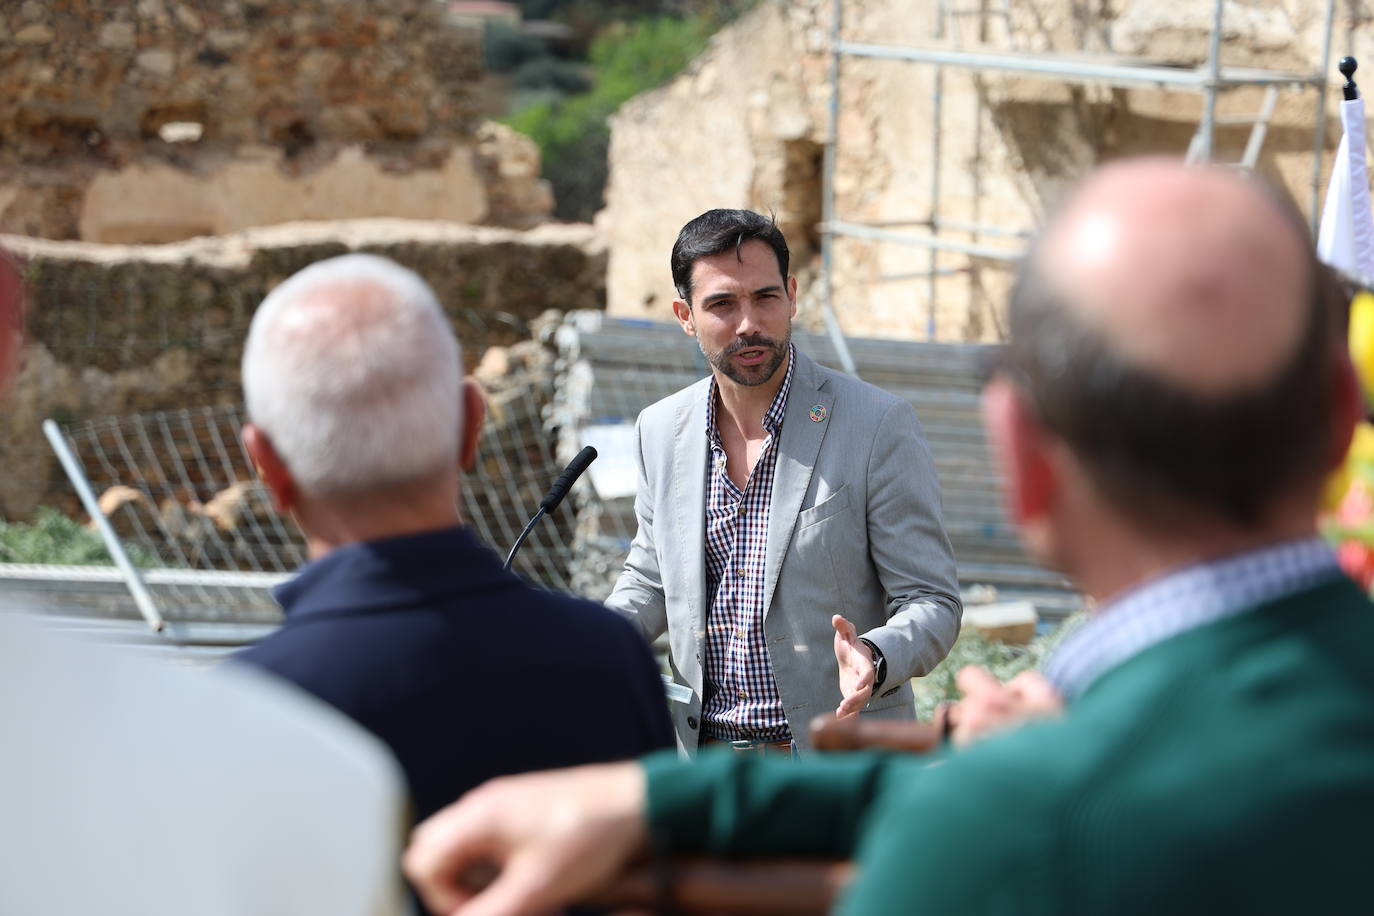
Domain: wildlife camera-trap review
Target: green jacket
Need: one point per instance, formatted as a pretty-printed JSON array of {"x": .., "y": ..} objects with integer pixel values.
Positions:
[{"x": 1228, "y": 769}]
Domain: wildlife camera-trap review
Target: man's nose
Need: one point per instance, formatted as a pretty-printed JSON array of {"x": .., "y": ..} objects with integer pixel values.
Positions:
[{"x": 748, "y": 322}]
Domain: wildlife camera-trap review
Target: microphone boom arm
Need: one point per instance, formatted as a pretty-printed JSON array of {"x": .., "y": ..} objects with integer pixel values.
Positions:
[{"x": 551, "y": 500}]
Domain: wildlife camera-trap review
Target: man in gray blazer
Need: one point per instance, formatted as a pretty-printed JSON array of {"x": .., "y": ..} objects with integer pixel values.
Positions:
[{"x": 789, "y": 539}]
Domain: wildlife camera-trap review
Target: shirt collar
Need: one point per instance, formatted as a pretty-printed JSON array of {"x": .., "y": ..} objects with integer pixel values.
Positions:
[
  {"x": 772, "y": 418},
  {"x": 1183, "y": 600},
  {"x": 411, "y": 569}
]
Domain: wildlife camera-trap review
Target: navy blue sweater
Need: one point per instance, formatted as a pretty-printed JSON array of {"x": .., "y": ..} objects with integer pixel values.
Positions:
[{"x": 463, "y": 669}]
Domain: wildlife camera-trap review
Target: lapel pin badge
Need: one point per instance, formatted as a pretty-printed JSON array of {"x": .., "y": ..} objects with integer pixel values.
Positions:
[{"x": 819, "y": 413}]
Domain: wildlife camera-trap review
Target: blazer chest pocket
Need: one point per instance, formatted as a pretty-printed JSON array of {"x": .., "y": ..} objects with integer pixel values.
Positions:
[{"x": 829, "y": 507}]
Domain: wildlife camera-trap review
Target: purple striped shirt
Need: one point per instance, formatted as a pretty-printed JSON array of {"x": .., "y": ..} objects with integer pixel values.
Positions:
[
  {"x": 1182, "y": 600},
  {"x": 742, "y": 701}
]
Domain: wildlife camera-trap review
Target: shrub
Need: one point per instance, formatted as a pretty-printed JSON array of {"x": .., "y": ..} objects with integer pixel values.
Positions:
[
  {"x": 1003, "y": 661},
  {"x": 572, "y": 133},
  {"x": 53, "y": 538}
]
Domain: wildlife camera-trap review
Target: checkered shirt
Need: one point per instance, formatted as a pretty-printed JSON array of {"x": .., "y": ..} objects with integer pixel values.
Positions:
[
  {"x": 742, "y": 701},
  {"x": 1183, "y": 600}
]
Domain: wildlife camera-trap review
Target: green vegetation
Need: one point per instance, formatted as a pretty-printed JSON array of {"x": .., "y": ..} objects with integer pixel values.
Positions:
[
  {"x": 563, "y": 102},
  {"x": 53, "y": 538},
  {"x": 1004, "y": 661}
]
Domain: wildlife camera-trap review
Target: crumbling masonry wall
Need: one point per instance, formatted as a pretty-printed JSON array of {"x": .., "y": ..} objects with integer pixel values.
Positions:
[
  {"x": 156, "y": 120},
  {"x": 745, "y": 125},
  {"x": 117, "y": 330}
]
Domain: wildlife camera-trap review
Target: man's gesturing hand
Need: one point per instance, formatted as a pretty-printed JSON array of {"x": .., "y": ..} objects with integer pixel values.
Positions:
[
  {"x": 554, "y": 836},
  {"x": 856, "y": 668},
  {"x": 989, "y": 706}
]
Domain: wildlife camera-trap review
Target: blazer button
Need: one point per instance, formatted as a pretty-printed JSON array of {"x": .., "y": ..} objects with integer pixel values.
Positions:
[{"x": 692, "y": 722}]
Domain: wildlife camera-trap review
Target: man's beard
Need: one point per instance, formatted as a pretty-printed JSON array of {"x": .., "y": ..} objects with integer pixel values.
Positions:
[{"x": 749, "y": 376}]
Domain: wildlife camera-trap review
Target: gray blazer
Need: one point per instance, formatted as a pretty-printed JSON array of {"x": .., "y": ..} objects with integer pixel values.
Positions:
[{"x": 854, "y": 528}]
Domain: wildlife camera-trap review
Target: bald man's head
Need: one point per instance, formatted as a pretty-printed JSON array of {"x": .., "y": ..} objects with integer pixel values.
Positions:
[
  {"x": 1192, "y": 274},
  {"x": 1169, "y": 327}
]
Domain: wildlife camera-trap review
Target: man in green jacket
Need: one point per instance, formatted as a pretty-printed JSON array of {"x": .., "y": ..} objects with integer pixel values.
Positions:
[{"x": 1171, "y": 399}]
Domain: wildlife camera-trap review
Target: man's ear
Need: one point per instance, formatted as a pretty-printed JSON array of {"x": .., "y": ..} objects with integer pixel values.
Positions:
[
  {"x": 1022, "y": 454},
  {"x": 792, "y": 294},
  {"x": 272, "y": 471},
  {"x": 682, "y": 310},
  {"x": 1348, "y": 409},
  {"x": 470, "y": 428}
]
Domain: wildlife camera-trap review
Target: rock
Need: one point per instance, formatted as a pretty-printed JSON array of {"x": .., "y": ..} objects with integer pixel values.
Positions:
[
  {"x": 116, "y": 497},
  {"x": 187, "y": 523},
  {"x": 122, "y": 36},
  {"x": 244, "y": 533},
  {"x": 228, "y": 506},
  {"x": 495, "y": 363},
  {"x": 130, "y": 513},
  {"x": 1013, "y": 622},
  {"x": 346, "y": 121},
  {"x": 34, "y": 35},
  {"x": 403, "y": 119},
  {"x": 189, "y": 19},
  {"x": 181, "y": 132},
  {"x": 517, "y": 196},
  {"x": 157, "y": 61},
  {"x": 286, "y": 93},
  {"x": 531, "y": 356},
  {"x": 226, "y": 41}
]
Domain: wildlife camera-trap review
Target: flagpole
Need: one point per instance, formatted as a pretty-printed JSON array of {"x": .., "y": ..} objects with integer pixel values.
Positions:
[{"x": 1346, "y": 239}]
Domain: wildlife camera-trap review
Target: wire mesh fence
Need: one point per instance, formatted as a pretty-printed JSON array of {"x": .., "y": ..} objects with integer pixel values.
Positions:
[{"x": 179, "y": 485}]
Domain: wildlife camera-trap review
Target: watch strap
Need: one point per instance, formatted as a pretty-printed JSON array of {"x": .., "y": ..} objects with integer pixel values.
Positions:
[{"x": 879, "y": 663}]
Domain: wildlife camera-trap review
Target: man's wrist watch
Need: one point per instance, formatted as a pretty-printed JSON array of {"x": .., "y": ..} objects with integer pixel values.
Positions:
[{"x": 879, "y": 663}]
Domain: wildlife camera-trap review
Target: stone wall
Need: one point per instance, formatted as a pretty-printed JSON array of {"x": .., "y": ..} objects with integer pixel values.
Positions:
[
  {"x": 156, "y": 120},
  {"x": 115, "y": 330},
  {"x": 745, "y": 125}
]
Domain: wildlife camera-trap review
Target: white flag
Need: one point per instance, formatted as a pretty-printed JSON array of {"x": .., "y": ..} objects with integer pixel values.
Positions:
[{"x": 1346, "y": 240}]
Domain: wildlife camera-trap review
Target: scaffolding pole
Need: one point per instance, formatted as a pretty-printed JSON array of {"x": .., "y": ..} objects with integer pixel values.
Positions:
[
  {"x": 1209, "y": 80},
  {"x": 1319, "y": 132},
  {"x": 1209, "y": 104},
  {"x": 832, "y": 323}
]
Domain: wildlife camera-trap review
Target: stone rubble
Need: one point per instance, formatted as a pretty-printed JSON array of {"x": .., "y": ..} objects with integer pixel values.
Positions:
[
  {"x": 310, "y": 109},
  {"x": 120, "y": 330}
]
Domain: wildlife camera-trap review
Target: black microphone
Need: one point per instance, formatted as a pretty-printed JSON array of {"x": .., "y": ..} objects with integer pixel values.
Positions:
[
  {"x": 564, "y": 483},
  {"x": 551, "y": 500}
]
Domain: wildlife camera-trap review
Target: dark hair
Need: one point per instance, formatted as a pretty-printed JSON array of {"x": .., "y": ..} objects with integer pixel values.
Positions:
[
  {"x": 1157, "y": 450},
  {"x": 716, "y": 231}
]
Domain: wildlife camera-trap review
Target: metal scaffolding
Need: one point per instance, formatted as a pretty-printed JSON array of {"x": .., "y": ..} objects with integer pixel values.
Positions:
[{"x": 1210, "y": 79}]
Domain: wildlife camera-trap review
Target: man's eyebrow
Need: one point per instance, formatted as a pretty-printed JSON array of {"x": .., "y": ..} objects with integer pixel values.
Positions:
[{"x": 717, "y": 297}]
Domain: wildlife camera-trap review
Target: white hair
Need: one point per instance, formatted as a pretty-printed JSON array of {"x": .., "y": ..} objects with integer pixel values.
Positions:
[{"x": 354, "y": 373}]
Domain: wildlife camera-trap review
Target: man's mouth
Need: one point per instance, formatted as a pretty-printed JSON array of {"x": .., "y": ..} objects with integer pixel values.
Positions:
[{"x": 752, "y": 356}]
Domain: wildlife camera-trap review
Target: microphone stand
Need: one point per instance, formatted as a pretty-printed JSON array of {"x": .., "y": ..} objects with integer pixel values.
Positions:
[{"x": 524, "y": 534}]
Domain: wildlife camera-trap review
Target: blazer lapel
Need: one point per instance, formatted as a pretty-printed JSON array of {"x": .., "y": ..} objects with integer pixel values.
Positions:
[
  {"x": 689, "y": 504},
  {"x": 797, "y": 451}
]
